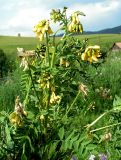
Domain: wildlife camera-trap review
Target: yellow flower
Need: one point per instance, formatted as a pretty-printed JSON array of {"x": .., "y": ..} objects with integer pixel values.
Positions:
[
  {"x": 15, "y": 119},
  {"x": 41, "y": 28},
  {"x": 106, "y": 137},
  {"x": 92, "y": 53},
  {"x": 75, "y": 25},
  {"x": 54, "y": 99},
  {"x": 42, "y": 117},
  {"x": 64, "y": 62},
  {"x": 83, "y": 88}
]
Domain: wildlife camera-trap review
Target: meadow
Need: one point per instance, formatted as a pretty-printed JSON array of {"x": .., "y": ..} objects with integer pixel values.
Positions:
[{"x": 10, "y": 43}]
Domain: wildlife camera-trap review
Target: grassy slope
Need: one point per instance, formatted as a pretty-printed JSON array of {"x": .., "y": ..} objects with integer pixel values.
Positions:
[
  {"x": 104, "y": 40},
  {"x": 9, "y": 43}
]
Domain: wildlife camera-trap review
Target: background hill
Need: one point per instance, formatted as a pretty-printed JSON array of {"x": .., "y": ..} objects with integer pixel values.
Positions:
[{"x": 114, "y": 30}]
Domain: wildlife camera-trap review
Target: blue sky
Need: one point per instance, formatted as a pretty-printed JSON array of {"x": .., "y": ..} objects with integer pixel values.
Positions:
[{"x": 19, "y": 16}]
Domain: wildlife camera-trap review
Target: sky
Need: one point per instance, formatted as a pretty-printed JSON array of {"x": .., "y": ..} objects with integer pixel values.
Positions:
[{"x": 20, "y": 16}]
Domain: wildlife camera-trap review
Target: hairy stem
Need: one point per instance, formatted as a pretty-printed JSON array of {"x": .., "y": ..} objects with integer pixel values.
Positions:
[
  {"x": 47, "y": 49},
  {"x": 101, "y": 128}
]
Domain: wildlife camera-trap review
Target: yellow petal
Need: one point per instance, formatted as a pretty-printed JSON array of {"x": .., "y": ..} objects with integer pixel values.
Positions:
[
  {"x": 15, "y": 118},
  {"x": 94, "y": 58},
  {"x": 84, "y": 56},
  {"x": 41, "y": 37}
]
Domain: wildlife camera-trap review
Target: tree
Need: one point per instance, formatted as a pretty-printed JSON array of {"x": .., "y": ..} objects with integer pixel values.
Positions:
[{"x": 3, "y": 63}]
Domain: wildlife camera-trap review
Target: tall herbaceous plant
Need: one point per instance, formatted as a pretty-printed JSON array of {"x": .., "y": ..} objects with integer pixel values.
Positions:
[{"x": 51, "y": 123}]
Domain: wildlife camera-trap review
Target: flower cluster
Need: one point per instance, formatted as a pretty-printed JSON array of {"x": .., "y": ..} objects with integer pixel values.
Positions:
[
  {"x": 104, "y": 93},
  {"x": 41, "y": 28},
  {"x": 106, "y": 137},
  {"x": 75, "y": 25},
  {"x": 64, "y": 62},
  {"x": 57, "y": 15},
  {"x": 83, "y": 88},
  {"x": 44, "y": 81},
  {"x": 101, "y": 156},
  {"x": 54, "y": 99},
  {"x": 92, "y": 53},
  {"x": 18, "y": 114}
]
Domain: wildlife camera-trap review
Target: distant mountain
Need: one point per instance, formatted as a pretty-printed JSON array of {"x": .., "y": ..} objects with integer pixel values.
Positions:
[{"x": 114, "y": 30}]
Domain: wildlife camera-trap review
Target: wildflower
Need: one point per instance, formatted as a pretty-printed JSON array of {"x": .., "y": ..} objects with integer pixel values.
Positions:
[
  {"x": 92, "y": 157},
  {"x": 92, "y": 53},
  {"x": 106, "y": 137},
  {"x": 102, "y": 156},
  {"x": 92, "y": 106},
  {"x": 44, "y": 81},
  {"x": 83, "y": 88},
  {"x": 54, "y": 99},
  {"x": 24, "y": 64},
  {"x": 74, "y": 157},
  {"x": 64, "y": 62},
  {"x": 17, "y": 116},
  {"x": 56, "y": 15},
  {"x": 41, "y": 117},
  {"x": 41, "y": 28},
  {"x": 75, "y": 25}
]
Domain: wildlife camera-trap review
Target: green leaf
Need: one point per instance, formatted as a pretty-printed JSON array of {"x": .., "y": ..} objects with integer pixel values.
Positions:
[
  {"x": 117, "y": 104},
  {"x": 23, "y": 157},
  {"x": 72, "y": 141},
  {"x": 8, "y": 137},
  {"x": 30, "y": 115},
  {"x": 83, "y": 146},
  {"x": 91, "y": 147},
  {"x": 61, "y": 133},
  {"x": 52, "y": 150},
  {"x": 69, "y": 137}
]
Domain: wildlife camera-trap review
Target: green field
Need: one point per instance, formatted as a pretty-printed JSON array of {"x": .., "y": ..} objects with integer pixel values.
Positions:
[{"x": 10, "y": 43}]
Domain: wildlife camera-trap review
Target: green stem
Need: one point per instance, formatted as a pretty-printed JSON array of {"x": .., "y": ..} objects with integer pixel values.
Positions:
[
  {"x": 34, "y": 85},
  {"x": 95, "y": 121},
  {"x": 27, "y": 94},
  {"x": 47, "y": 49},
  {"x": 53, "y": 58},
  {"x": 75, "y": 99},
  {"x": 101, "y": 128}
]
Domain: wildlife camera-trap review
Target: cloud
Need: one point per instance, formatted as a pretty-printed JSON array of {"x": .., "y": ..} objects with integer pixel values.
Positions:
[{"x": 23, "y": 15}]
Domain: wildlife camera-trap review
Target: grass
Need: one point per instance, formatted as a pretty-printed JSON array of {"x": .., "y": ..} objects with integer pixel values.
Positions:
[
  {"x": 104, "y": 40},
  {"x": 10, "y": 43}
]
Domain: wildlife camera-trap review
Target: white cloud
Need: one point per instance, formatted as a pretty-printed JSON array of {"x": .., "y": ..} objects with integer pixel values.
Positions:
[
  {"x": 25, "y": 18},
  {"x": 28, "y": 13}
]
